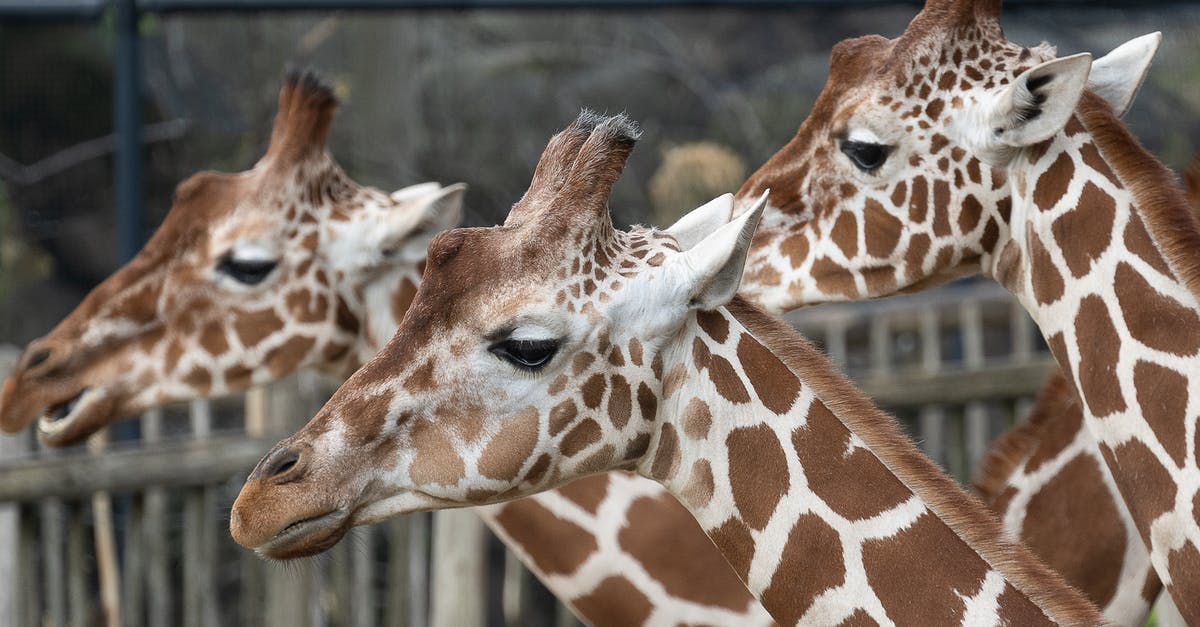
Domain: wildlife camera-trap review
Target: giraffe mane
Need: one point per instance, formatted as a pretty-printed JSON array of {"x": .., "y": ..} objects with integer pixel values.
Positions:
[
  {"x": 306, "y": 108},
  {"x": 1014, "y": 447},
  {"x": 1156, "y": 191},
  {"x": 963, "y": 513}
]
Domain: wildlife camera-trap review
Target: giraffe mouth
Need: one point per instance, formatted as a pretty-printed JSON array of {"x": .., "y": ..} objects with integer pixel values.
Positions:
[
  {"x": 306, "y": 537},
  {"x": 56, "y": 424}
]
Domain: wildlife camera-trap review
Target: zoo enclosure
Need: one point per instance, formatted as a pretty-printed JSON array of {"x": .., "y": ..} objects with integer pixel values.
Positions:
[{"x": 956, "y": 366}]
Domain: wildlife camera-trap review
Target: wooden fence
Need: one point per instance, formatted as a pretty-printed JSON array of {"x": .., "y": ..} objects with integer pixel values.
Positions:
[{"x": 135, "y": 533}]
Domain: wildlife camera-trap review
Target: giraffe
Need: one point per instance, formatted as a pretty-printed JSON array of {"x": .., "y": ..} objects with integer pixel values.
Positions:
[
  {"x": 556, "y": 346},
  {"x": 293, "y": 253},
  {"x": 950, "y": 151}
]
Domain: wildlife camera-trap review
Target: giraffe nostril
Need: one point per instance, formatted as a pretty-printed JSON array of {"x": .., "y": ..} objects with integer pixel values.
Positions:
[
  {"x": 282, "y": 463},
  {"x": 38, "y": 358}
]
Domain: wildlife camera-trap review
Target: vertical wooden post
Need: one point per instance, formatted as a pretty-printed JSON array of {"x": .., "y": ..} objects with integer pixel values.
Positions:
[
  {"x": 459, "y": 570},
  {"x": 158, "y": 573},
  {"x": 199, "y": 595},
  {"x": 78, "y": 607},
  {"x": 107, "y": 571},
  {"x": 11, "y": 577},
  {"x": 133, "y": 576},
  {"x": 290, "y": 598},
  {"x": 396, "y": 605},
  {"x": 362, "y": 571},
  {"x": 418, "y": 568}
]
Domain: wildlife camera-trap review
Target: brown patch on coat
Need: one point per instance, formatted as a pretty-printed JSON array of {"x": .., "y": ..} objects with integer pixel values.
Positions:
[
  {"x": 199, "y": 379},
  {"x": 583, "y": 435},
  {"x": 1162, "y": 394},
  {"x": 1073, "y": 524},
  {"x": 1153, "y": 318},
  {"x": 1145, "y": 484},
  {"x": 758, "y": 473},
  {"x": 213, "y": 340},
  {"x": 914, "y": 257},
  {"x": 1099, "y": 348},
  {"x": 918, "y": 202},
  {"x": 734, "y": 541},
  {"x": 533, "y": 527},
  {"x": 699, "y": 488},
  {"x": 882, "y": 230},
  {"x": 714, "y": 324},
  {"x": 1015, "y": 608},
  {"x": 562, "y": 415},
  {"x": 511, "y": 447},
  {"x": 969, "y": 214},
  {"x": 288, "y": 357},
  {"x": 811, "y": 563},
  {"x": 859, "y": 618},
  {"x": 615, "y": 601},
  {"x": 436, "y": 461},
  {"x": 1184, "y": 566},
  {"x": 845, "y": 234},
  {"x": 666, "y": 456},
  {"x": 727, "y": 381},
  {"x": 776, "y": 386},
  {"x": 1052, "y": 184},
  {"x": 657, "y": 532},
  {"x": 822, "y": 445},
  {"x": 254, "y": 326},
  {"x": 696, "y": 419},
  {"x": 1084, "y": 232},
  {"x": 620, "y": 402},
  {"x": 922, "y": 573},
  {"x": 941, "y": 208},
  {"x": 305, "y": 307},
  {"x": 647, "y": 402},
  {"x": 593, "y": 391},
  {"x": 1138, "y": 241},
  {"x": 588, "y": 492},
  {"x": 833, "y": 278}
]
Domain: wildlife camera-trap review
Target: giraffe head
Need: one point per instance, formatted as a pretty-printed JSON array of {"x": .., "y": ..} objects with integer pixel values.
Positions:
[
  {"x": 250, "y": 277},
  {"x": 897, "y": 179},
  {"x": 531, "y": 356}
]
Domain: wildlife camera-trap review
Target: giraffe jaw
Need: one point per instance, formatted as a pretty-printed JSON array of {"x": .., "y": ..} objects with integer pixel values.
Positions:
[
  {"x": 307, "y": 537},
  {"x": 62, "y": 423}
]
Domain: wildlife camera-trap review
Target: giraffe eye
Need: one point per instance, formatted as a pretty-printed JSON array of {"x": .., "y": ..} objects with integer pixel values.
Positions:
[
  {"x": 248, "y": 272},
  {"x": 528, "y": 355},
  {"x": 865, "y": 155}
]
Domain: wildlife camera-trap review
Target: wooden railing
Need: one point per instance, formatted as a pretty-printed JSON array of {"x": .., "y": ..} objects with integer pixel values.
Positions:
[{"x": 957, "y": 366}]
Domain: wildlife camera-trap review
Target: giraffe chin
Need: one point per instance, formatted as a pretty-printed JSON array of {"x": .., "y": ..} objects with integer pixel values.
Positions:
[
  {"x": 307, "y": 537},
  {"x": 76, "y": 418}
]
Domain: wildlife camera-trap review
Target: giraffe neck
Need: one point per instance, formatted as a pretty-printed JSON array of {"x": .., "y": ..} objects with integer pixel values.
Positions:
[
  {"x": 1095, "y": 259},
  {"x": 835, "y": 514},
  {"x": 376, "y": 310}
]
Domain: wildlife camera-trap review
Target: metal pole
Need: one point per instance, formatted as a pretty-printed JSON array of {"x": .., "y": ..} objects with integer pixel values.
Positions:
[{"x": 127, "y": 122}]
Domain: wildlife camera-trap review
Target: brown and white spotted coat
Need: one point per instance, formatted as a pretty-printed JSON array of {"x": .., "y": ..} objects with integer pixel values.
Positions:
[
  {"x": 555, "y": 346},
  {"x": 1085, "y": 227},
  {"x": 173, "y": 325}
]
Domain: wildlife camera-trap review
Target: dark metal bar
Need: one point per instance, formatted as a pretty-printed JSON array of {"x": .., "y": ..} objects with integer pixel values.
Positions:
[
  {"x": 127, "y": 122},
  {"x": 52, "y": 9}
]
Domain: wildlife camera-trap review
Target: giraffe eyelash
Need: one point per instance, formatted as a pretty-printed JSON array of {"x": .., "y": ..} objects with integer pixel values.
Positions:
[{"x": 528, "y": 355}]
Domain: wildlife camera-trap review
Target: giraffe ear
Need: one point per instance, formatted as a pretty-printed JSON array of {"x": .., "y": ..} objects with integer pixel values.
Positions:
[
  {"x": 702, "y": 221},
  {"x": 437, "y": 211},
  {"x": 711, "y": 271},
  {"x": 1038, "y": 104},
  {"x": 1118, "y": 75}
]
